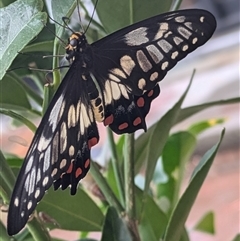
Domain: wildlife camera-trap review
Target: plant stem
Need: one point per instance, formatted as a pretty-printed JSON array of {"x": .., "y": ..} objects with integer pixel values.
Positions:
[
  {"x": 3, "y": 232},
  {"x": 129, "y": 186},
  {"x": 6, "y": 175},
  {"x": 115, "y": 163},
  {"x": 39, "y": 232},
  {"x": 105, "y": 188},
  {"x": 175, "y": 6}
]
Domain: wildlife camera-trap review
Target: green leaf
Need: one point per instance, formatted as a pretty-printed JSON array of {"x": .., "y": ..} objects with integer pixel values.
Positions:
[
  {"x": 13, "y": 96},
  {"x": 237, "y": 238},
  {"x": 114, "y": 228},
  {"x": 158, "y": 137},
  {"x": 127, "y": 12},
  {"x": 77, "y": 212},
  {"x": 152, "y": 221},
  {"x": 20, "y": 118},
  {"x": 183, "y": 207},
  {"x": 62, "y": 9},
  {"x": 189, "y": 111},
  {"x": 7, "y": 179},
  {"x": 206, "y": 224},
  {"x": 20, "y": 22},
  {"x": 142, "y": 140},
  {"x": 4, "y": 236},
  {"x": 201, "y": 126},
  {"x": 176, "y": 153},
  {"x": 46, "y": 46}
]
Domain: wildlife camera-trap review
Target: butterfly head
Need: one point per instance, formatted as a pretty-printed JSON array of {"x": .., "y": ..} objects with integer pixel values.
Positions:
[{"x": 76, "y": 42}]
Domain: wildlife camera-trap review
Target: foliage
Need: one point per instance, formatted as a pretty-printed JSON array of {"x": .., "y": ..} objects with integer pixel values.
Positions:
[{"x": 156, "y": 211}]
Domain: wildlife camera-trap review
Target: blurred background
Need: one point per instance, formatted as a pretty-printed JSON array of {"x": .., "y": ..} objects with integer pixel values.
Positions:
[{"x": 216, "y": 78}]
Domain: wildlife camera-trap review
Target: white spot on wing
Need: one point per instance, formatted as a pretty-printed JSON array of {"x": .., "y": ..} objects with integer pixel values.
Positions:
[
  {"x": 29, "y": 165},
  {"x": 141, "y": 83},
  {"x": 180, "y": 19},
  {"x": 45, "y": 181},
  {"x": 63, "y": 163},
  {"x": 43, "y": 143},
  {"x": 177, "y": 40},
  {"x": 37, "y": 193},
  {"x": 163, "y": 28},
  {"x": 188, "y": 24},
  {"x": 136, "y": 37},
  {"x": 185, "y": 47},
  {"x": 164, "y": 45},
  {"x": 47, "y": 158},
  {"x": 184, "y": 32},
  {"x": 154, "y": 76},
  {"x": 63, "y": 137},
  {"x": 29, "y": 205},
  {"x": 174, "y": 55},
  {"x": 113, "y": 78},
  {"x": 143, "y": 61},
  {"x": 154, "y": 52},
  {"x": 115, "y": 90},
  {"x": 31, "y": 182},
  {"x": 71, "y": 150},
  {"x": 164, "y": 65},
  {"x": 127, "y": 64},
  {"x": 71, "y": 116},
  {"x": 38, "y": 175},
  {"x": 53, "y": 117},
  {"x": 16, "y": 201},
  {"x": 194, "y": 40},
  {"x": 118, "y": 72}
]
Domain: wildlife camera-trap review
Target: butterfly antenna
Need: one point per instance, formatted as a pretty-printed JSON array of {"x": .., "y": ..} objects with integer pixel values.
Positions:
[
  {"x": 53, "y": 31},
  {"x": 95, "y": 6},
  {"x": 79, "y": 16}
]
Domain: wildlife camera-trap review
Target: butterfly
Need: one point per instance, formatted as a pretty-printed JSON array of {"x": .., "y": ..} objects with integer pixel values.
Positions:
[{"x": 113, "y": 80}]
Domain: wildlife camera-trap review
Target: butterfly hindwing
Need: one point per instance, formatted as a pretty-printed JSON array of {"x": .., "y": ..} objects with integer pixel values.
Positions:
[{"x": 126, "y": 115}]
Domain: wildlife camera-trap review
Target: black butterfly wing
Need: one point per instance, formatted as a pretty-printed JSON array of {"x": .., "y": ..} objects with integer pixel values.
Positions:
[
  {"x": 133, "y": 60},
  {"x": 140, "y": 55},
  {"x": 127, "y": 115},
  {"x": 60, "y": 150}
]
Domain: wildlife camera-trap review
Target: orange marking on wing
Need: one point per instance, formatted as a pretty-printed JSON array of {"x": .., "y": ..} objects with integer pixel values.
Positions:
[
  {"x": 140, "y": 102},
  {"x": 92, "y": 142},
  {"x": 69, "y": 170},
  {"x": 137, "y": 121},
  {"x": 123, "y": 126},
  {"x": 150, "y": 93},
  {"x": 78, "y": 172},
  {"x": 87, "y": 163},
  {"x": 108, "y": 120}
]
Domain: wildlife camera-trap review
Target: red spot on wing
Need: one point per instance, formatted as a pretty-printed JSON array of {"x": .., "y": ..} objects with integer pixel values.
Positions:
[
  {"x": 140, "y": 102},
  {"x": 87, "y": 163},
  {"x": 150, "y": 93},
  {"x": 69, "y": 170},
  {"x": 78, "y": 172},
  {"x": 123, "y": 126},
  {"x": 137, "y": 121},
  {"x": 92, "y": 142},
  {"x": 108, "y": 120}
]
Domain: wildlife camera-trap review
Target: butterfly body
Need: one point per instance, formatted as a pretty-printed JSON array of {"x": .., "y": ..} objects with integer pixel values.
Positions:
[{"x": 113, "y": 81}]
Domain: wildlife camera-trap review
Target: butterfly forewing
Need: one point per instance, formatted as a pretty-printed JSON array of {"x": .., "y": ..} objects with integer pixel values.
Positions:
[
  {"x": 114, "y": 81},
  {"x": 140, "y": 55},
  {"x": 59, "y": 152}
]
